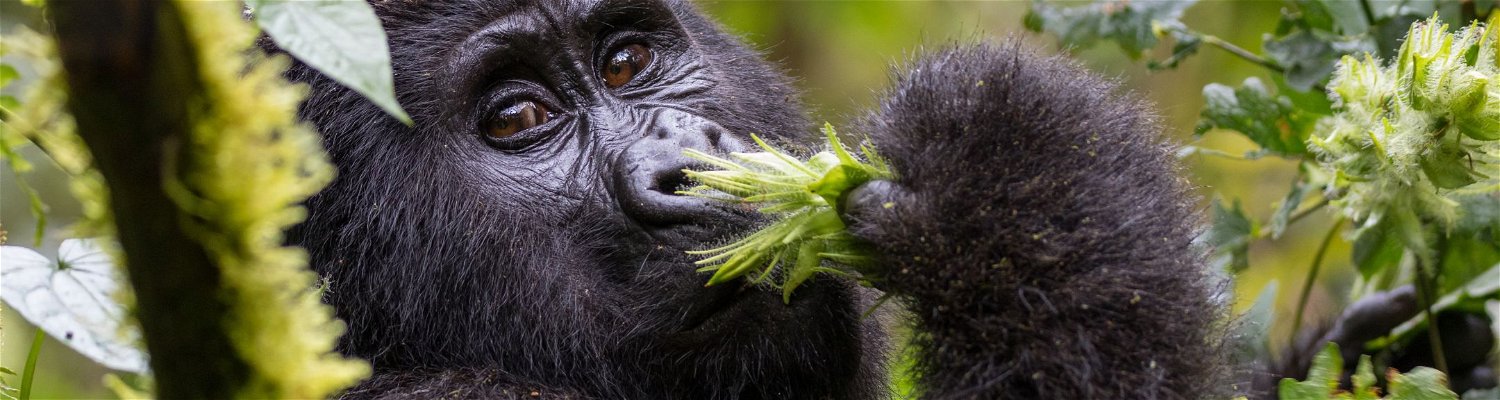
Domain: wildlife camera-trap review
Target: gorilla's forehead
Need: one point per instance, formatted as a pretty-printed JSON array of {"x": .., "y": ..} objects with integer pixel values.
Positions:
[{"x": 470, "y": 15}]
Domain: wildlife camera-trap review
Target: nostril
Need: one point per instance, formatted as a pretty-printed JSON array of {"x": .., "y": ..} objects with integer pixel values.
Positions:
[
  {"x": 648, "y": 189},
  {"x": 670, "y": 180}
]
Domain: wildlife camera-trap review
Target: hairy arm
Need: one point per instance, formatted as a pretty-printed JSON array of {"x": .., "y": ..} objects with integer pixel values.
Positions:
[
  {"x": 1039, "y": 233},
  {"x": 458, "y": 383}
]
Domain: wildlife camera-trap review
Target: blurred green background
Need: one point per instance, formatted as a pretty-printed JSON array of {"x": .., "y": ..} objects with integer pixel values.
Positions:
[{"x": 841, "y": 53}]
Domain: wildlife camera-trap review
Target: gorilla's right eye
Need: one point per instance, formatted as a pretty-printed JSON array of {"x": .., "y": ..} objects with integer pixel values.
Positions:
[{"x": 518, "y": 117}]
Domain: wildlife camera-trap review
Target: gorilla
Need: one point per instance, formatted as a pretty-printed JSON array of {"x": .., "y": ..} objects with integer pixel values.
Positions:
[{"x": 524, "y": 238}]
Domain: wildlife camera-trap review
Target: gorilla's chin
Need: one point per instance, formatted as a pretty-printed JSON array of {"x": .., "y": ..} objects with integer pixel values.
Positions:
[{"x": 745, "y": 339}]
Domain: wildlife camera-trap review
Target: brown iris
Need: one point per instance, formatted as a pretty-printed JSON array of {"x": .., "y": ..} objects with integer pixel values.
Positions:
[
  {"x": 625, "y": 63},
  {"x": 517, "y": 118}
]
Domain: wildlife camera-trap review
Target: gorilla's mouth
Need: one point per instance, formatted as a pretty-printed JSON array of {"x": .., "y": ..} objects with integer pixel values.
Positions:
[{"x": 718, "y": 303}]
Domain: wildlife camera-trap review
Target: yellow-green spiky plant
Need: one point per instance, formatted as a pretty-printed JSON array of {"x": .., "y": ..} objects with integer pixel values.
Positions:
[
  {"x": 803, "y": 196},
  {"x": 1414, "y": 135}
]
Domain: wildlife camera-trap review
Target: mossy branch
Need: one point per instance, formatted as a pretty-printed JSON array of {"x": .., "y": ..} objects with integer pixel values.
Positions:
[{"x": 205, "y": 162}]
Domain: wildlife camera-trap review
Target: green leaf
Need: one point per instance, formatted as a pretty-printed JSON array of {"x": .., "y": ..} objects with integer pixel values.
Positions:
[
  {"x": 1254, "y": 327},
  {"x": 1314, "y": 102},
  {"x": 1421, "y": 383},
  {"x": 1447, "y": 166},
  {"x": 8, "y": 74},
  {"x": 1364, "y": 380},
  {"x": 1346, "y": 16},
  {"x": 9, "y": 103},
  {"x": 1184, "y": 45},
  {"x": 341, "y": 39},
  {"x": 1376, "y": 249},
  {"x": 1465, "y": 257},
  {"x": 1309, "y": 57},
  {"x": 1288, "y": 205},
  {"x": 1268, "y": 120},
  {"x": 1231, "y": 234},
  {"x": 1322, "y": 379},
  {"x": 1131, "y": 24}
]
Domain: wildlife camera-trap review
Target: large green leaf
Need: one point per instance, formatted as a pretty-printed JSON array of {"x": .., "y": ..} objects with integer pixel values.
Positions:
[
  {"x": 341, "y": 39},
  {"x": 1344, "y": 17},
  {"x": 1322, "y": 379},
  {"x": 1322, "y": 383},
  {"x": 1132, "y": 24},
  {"x": 1376, "y": 248},
  {"x": 1293, "y": 200},
  {"x": 7, "y": 74},
  {"x": 1421, "y": 383},
  {"x": 1231, "y": 234},
  {"x": 1269, "y": 120},
  {"x": 1309, "y": 57}
]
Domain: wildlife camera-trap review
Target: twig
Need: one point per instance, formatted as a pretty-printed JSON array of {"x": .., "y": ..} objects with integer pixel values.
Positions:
[
  {"x": 1299, "y": 215},
  {"x": 1241, "y": 52}
]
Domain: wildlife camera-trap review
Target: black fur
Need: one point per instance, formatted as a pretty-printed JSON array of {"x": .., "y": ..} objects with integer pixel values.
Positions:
[
  {"x": 1040, "y": 235},
  {"x": 1040, "y": 232}
]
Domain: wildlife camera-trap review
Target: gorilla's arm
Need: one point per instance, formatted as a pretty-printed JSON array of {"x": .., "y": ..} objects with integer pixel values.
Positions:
[
  {"x": 454, "y": 384},
  {"x": 1038, "y": 232}
]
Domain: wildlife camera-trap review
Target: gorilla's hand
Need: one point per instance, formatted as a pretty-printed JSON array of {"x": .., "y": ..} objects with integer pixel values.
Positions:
[
  {"x": 1467, "y": 341},
  {"x": 1039, "y": 231}
]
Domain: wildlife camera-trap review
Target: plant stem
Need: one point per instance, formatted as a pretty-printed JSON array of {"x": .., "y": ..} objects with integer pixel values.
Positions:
[
  {"x": 30, "y": 372},
  {"x": 1364, "y": 5},
  {"x": 1424, "y": 298},
  {"x": 1241, "y": 52},
  {"x": 1299, "y": 215},
  {"x": 1312, "y": 275}
]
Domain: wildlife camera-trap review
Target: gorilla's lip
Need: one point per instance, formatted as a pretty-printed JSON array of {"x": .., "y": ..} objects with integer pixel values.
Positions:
[{"x": 722, "y": 299}]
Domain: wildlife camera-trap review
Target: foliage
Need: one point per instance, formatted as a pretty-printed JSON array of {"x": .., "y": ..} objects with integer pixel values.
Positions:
[
  {"x": 1322, "y": 382},
  {"x": 805, "y": 196},
  {"x": 1391, "y": 118},
  {"x": 1134, "y": 25},
  {"x": 44, "y": 122},
  {"x": 342, "y": 39}
]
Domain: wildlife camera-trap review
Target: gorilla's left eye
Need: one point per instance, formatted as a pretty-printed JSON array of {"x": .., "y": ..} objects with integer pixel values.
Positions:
[{"x": 625, "y": 63}]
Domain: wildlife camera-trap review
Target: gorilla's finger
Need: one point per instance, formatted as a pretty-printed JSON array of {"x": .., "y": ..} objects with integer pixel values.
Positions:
[{"x": 1373, "y": 316}]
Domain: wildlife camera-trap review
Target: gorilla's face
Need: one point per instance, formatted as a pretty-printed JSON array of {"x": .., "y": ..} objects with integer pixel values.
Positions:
[{"x": 529, "y": 222}]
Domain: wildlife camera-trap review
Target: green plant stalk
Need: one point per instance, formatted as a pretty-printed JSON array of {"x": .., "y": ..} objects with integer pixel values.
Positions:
[
  {"x": 1312, "y": 277},
  {"x": 37, "y": 207},
  {"x": 1424, "y": 299},
  {"x": 1240, "y": 52},
  {"x": 31, "y": 357},
  {"x": 805, "y": 196}
]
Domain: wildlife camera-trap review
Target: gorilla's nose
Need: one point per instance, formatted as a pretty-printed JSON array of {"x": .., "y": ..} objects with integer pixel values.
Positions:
[{"x": 648, "y": 173}]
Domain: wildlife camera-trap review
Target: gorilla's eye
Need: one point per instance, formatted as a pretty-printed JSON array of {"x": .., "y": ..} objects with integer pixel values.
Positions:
[
  {"x": 517, "y": 118},
  {"x": 625, "y": 63}
]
